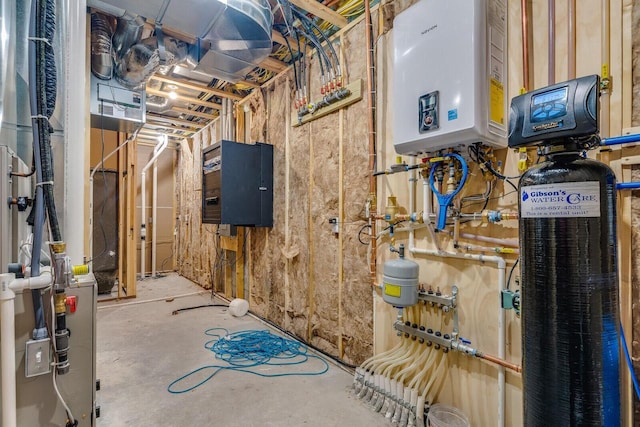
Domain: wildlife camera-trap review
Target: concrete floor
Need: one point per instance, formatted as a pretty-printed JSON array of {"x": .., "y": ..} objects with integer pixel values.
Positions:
[{"x": 142, "y": 348}]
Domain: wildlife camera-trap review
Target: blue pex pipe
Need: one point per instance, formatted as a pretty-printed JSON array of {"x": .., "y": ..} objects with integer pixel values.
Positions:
[
  {"x": 444, "y": 200},
  {"x": 628, "y": 186},
  {"x": 616, "y": 140}
]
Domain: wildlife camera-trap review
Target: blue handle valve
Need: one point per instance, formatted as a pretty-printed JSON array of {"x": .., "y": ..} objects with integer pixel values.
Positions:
[{"x": 444, "y": 200}]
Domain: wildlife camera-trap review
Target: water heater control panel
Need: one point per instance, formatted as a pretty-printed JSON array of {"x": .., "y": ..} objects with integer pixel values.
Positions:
[{"x": 564, "y": 110}]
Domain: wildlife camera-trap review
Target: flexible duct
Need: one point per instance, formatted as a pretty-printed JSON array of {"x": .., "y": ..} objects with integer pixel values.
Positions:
[
  {"x": 570, "y": 312},
  {"x": 101, "y": 48},
  {"x": 128, "y": 32},
  {"x": 143, "y": 59}
]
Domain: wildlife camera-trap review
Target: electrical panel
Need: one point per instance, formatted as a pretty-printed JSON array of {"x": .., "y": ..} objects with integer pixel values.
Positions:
[
  {"x": 237, "y": 184},
  {"x": 114, "y": 107},
  {"x": 449, "y": 75}
]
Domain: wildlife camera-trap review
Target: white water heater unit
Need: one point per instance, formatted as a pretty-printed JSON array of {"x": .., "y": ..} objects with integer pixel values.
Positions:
[{"x": 450, "y": 75}]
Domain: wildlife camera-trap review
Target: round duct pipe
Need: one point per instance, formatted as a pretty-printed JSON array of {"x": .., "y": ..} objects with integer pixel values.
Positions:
[
  {"x": 101, "y": 34},
  {"x": 143, "y": 59},
  {"x": 570, "y": 313}
]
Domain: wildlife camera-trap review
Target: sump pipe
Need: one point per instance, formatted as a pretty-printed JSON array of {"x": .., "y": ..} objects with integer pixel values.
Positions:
[{"x": 158, "y": 149}]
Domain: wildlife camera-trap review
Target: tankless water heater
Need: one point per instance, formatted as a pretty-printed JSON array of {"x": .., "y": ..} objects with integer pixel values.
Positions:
[{"x": 449, "y": 75}]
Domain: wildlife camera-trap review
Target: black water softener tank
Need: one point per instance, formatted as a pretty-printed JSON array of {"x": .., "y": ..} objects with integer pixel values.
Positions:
[{"x": 570, "y": 312}]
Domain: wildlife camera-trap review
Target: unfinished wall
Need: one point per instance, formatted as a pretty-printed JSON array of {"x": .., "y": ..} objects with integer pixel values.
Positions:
[
  {"x": 195, "y": 243},
  {"x": 316, "y": 284},
  {"x": 165, "y": 222},
  {"x": 635, "y": 208},
  {"x": 471, "y": 384}
]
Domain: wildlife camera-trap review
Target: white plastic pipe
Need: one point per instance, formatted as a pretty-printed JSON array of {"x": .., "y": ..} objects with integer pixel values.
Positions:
[
  {"x": 496, "y": 241},
  {"x": 158, "y": 149},
  {"x": 8, "y": 286},
  {"x": 501, "y": 265},
  {"x": 8, "y": 351},
  {"x": 154, "y": 215},
  {"x": 75, "y": 125}
]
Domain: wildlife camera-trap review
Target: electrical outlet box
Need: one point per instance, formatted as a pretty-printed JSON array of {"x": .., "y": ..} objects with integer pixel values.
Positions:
[{"x": 37, "y": 358}]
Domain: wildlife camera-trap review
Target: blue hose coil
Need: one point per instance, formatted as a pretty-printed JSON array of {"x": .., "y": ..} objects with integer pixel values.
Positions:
[{"x": 245, "y": 350}]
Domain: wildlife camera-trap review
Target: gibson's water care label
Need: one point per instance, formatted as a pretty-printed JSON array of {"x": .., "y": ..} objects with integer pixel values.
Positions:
[{"x": 565, "y": 200}]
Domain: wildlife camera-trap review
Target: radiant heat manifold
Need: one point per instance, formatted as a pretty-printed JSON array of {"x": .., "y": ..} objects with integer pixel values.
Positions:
[{"x": 569, "y": 283}]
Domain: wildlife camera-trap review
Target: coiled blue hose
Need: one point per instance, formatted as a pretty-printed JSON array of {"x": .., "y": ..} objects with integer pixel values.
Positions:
[{"x": 245, "y": 350}]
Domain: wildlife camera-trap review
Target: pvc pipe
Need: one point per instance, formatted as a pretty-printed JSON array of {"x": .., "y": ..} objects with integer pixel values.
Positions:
[
  {"x": 8, "y": 351},
  {"x": 76, "y": 111},
  {"x": 627, "y": 185},
  {"x": 496, "y": 241},
  {"x": 427, "y": 211},
  {"x": 501, "y": 265},
  {"x": 154, "y": 215},
  {"x": 158, "y": 149},
  {"x": 39, "y": 282},
  {"x": 623, "y": 139}
]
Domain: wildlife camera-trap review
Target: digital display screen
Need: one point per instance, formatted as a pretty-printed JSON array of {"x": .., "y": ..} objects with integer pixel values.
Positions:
[{"x": 553, "y": 95}]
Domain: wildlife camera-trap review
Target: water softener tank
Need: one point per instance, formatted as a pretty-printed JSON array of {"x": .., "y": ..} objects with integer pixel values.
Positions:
[{"x": 570, "y": 312}]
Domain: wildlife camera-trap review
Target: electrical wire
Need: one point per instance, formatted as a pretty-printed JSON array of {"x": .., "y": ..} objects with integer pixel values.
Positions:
[
  {"x": 246, "y": 351},
  {"x": 513, "y": 267},
  {"x": 364, "y": 227},
  {"x": 180, "y": 310}
]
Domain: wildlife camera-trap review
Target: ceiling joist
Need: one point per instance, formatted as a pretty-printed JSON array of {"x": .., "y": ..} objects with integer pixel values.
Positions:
[
  {"x": 189, "y": 99},
  {"x": 194, "y": 113},
  {"x": 279, "y": 38},
  {"x": 198, "y": 87},
  {"x": 173, "y": 120},
  {"x": 156, "y": 135},
  {"x": 272, "y": 64},
  {"x": 322, "y": 12}
]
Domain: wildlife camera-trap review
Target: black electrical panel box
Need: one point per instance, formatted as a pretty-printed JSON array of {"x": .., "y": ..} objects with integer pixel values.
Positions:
[{"x": 237, "y": 184}]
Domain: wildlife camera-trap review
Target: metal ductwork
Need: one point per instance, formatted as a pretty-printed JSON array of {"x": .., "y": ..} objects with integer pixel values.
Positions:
[
  {"x": 101, "y": 48},
  {"x": 144, "y": 58},
  {"x": 128, "y": 32},
  {"x": 233, "y": 36}
]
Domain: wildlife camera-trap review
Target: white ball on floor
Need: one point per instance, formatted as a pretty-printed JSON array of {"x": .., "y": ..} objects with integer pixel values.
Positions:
[{"x": 239, "y": 307}]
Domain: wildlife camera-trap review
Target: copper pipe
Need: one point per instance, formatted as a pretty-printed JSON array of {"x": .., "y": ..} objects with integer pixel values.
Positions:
[
  {"x": 552, "y": 43},
  {"x": 501, "y": 362},
  {"x": 372, "y": 137},
  {"x": 525, "y": 45},
  {"x": 572, "y": 41}
]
